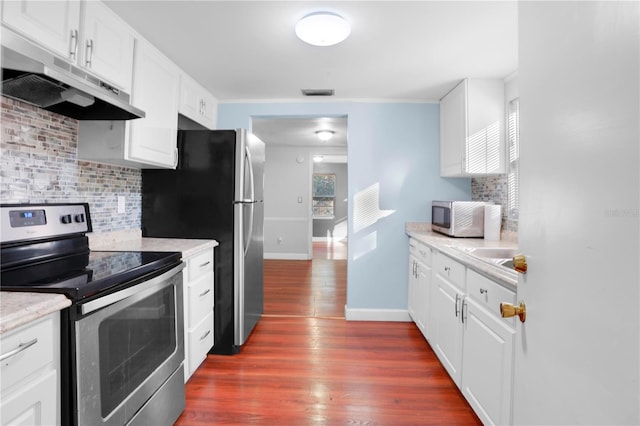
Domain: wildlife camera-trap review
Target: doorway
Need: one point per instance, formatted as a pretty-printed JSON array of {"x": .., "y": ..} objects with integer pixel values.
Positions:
[{"x": 304, "y": 276}]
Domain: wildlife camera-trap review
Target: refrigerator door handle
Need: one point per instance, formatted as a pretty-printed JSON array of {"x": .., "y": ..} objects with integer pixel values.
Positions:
[{"x": 252, "y": 197}]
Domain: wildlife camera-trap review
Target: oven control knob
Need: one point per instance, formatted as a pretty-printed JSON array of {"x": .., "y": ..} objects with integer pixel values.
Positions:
[
  {"x": 79, "y": 218},
  {"x": 66, "y": 218}
]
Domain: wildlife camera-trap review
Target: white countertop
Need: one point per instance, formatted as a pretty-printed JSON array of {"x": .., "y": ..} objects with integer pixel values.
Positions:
[
  {"x": 17, "y": 308},
  {"x": 188, "y": 247},
  {"x": 506, "y": 277}
]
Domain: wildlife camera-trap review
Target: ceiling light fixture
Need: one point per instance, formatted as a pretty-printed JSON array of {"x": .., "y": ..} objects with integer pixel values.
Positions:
[
  {"x": 324, "y": 135},
  {"x": 318, "y": 158},
  {"x": 323, "y": 29}
]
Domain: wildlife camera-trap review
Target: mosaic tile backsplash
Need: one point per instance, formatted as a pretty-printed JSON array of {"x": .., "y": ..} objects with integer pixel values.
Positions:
[
  {"x": 494, "y": 188},
  {"x": 38, "y": 164}
]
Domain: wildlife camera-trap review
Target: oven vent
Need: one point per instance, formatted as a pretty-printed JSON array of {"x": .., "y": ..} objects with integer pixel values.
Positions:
[{"x": 318, "y": 92}]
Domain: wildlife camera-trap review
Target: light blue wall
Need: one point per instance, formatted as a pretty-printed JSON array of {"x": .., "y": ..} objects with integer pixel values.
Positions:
[{"x": 394, "y": 145}]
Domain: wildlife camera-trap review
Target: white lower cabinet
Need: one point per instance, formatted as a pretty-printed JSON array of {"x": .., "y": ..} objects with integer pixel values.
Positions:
[
  {"x": 447, "y": 293},
  {"x": 465, "y": 330},
  {"x": 487, "y": 357},
  {"x": 30, "y": 373},
  {"x": 198, "y": 279},
  {"x": 419, "y": 301}
]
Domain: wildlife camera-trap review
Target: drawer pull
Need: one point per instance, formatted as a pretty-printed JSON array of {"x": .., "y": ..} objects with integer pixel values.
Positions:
[
  {"x": 204, "y": 336},
  {"x": 456, "y": 307},
  {"x": 484, "y": 291},
  {"x": 204, "y": 293},
  {"x": 21, "y": 347},
  {"x": 205, "y": 263}
]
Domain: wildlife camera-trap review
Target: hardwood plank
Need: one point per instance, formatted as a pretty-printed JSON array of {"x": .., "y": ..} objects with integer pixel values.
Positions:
[{"x": 305, "y": 365}]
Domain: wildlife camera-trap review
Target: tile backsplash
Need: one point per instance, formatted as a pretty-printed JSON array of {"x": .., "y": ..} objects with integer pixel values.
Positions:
[
  {"x": 495, "y": 188},
  {"x": 38, "y": 164}
]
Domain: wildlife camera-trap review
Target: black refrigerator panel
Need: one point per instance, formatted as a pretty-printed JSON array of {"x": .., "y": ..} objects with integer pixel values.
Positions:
[{"x": 196, "y": 201}]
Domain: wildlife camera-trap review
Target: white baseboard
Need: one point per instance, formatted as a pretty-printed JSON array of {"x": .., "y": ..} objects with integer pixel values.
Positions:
[
  {"x": 394, "y": 315},
  {"x": 287, "y": 256}
]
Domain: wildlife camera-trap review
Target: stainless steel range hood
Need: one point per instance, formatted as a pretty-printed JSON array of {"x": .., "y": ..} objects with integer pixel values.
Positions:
[{"x": 33, "y": 75}]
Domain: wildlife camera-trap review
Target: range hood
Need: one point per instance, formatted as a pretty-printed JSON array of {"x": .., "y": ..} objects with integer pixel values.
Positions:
[{"x": 36, "y": 76}]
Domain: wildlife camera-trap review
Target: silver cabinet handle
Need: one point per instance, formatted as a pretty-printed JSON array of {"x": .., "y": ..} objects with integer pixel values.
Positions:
[
  {"x": 462, "y": 311},
  {"x": 204, "y": 107},
  {"x": 204, "y": 293},
  {"x": 21, "y": 347},
  {"x": 205, "y": 263},
  {"x": 456, "y": 307},
  {"x": 73, "y": 45},
  {"x": 89, "y": 53},
  {"x": 204, "y": 336}
]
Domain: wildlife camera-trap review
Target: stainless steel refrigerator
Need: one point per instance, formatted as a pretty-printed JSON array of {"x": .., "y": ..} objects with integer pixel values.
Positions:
[{"x": 216, "y": 192}]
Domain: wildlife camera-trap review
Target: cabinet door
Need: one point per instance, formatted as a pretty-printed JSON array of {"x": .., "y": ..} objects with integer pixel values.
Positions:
[
  {"x": 52, "y": 24},
  {"x": 412, "y": 290},
  {"x": 423, "y": 297},
  {"x": 487, "y": 368},
  {"x": 445, "y": 326},
  {"x": 34, "y": 404},
  {"x": 453, "y": 131},
  {"x": 197, "y": 103},
  {"x": 107, "y": 47},
  {"x": 152, "y": 140}
]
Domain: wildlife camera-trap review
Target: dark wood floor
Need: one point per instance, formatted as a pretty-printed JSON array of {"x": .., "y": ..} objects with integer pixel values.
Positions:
[{"x": 305, "y": 365}]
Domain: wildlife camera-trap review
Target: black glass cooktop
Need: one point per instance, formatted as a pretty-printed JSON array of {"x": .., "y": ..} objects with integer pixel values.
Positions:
[{"x": 82, "y": 276}]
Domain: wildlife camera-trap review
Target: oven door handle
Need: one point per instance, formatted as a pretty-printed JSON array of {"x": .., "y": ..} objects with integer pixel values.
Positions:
[{"x": 110, "y": 299}]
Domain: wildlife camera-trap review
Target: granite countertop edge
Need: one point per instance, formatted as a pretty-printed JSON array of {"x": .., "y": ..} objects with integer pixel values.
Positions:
[
  {"x": 503, "y": 276},
  {"x": 18, "y": 308}
]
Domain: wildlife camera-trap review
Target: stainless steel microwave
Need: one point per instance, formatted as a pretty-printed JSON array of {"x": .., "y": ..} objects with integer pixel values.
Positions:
[{"x": 458, "y": 218}]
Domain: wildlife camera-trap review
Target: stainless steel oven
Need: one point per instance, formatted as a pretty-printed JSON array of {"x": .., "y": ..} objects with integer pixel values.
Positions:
[
  {"x": 122, "y": 346},
  {"x": 129, "y": 347}
]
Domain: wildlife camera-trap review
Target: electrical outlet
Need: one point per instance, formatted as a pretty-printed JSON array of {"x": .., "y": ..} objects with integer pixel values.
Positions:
[
  {"x": 121, "y": 204},
  {"x": 280, "y": 240}
]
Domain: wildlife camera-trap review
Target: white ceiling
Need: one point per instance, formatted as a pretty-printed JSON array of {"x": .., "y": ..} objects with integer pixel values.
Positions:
[{"x": 397, "y": 50}]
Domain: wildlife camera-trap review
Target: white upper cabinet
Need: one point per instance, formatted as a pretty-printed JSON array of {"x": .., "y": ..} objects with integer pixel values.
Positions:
[
  {"x": 156, "y": 82},
  {"x": 197, "y": 103},
  {"x": 87, "y": 34},
  {"x": 107, "y": 47},
  {"x": 472, "y": 129},
  {"x": 53, "y": 24}
]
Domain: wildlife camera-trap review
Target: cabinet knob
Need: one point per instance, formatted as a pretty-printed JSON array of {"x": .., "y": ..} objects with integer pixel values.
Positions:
[
  {"x": 507, "y": 310},
  {"x": 520, "y": 263}
]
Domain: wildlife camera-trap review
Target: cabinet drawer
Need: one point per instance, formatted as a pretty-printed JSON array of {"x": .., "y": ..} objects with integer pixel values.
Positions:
[
  {"x": 200, "y": 299},
  {"x": 200, "y": 264},
  {"x": 489, "y": 294},
  {"x": 420, "y": 251},
  {"x": 451, "y": 270},
  {"x": 200, "y": 341},
  {"x": 32, "y": 358}
]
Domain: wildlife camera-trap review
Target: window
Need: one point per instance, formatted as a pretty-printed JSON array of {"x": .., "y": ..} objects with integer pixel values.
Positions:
[
  {"x": 514, "y": 159},
  {"x": 324, "y": 193}
]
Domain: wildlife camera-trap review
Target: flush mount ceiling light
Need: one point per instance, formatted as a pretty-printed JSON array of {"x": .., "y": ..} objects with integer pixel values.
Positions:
[
  {"x": 323, "y": 29},
  {"x": 318, "y": 158},
  {"x": 324, "y": 135}
]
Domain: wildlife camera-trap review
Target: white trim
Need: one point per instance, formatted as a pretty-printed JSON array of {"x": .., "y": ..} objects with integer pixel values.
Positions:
[
  {"x": 327, "y": 99},
  {"x": 287, "y": 256},
  {"x": 286, "y": 219},
  {"x": 394, "y": 315}
]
